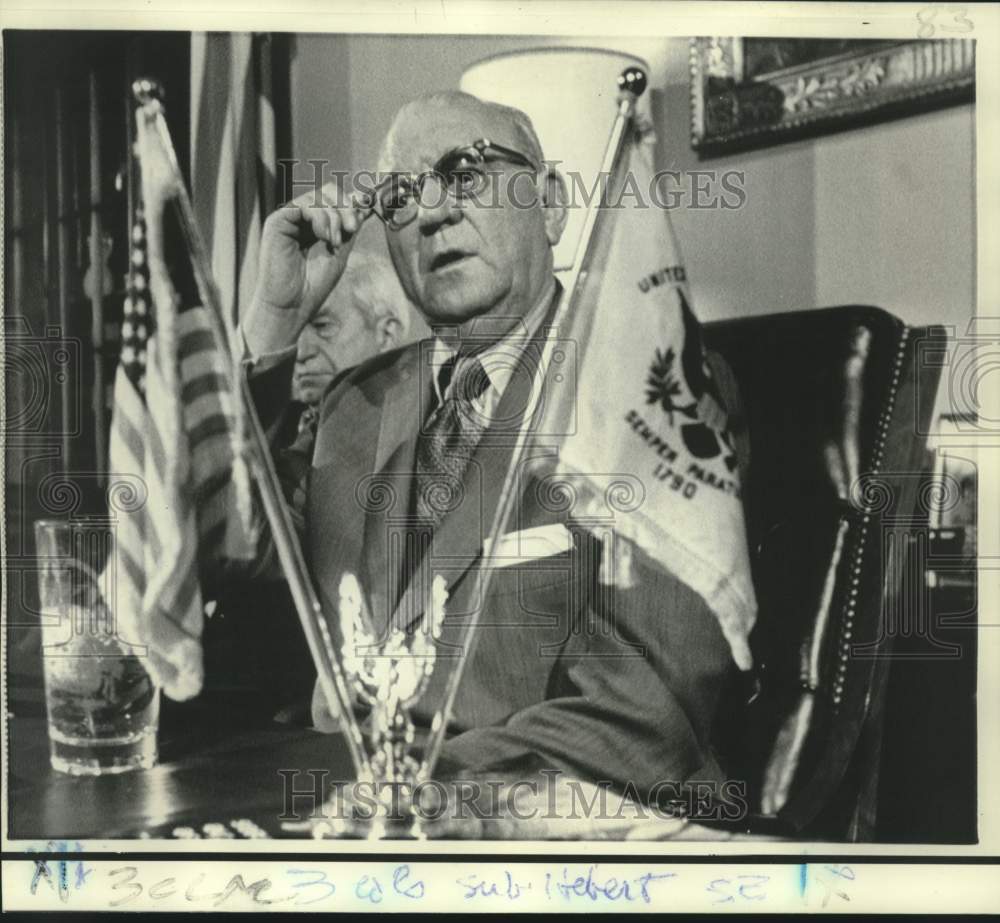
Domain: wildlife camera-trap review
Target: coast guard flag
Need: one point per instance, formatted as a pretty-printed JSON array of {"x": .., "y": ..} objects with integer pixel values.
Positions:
[
  {"x": 176, "y": 425},
  {"x": 648, "y": 413}
]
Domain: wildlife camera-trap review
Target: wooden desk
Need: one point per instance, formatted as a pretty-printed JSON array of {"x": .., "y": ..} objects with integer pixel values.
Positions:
[
  {"x": 219, "y": 763},
  {"x": 216, "y": 764}
]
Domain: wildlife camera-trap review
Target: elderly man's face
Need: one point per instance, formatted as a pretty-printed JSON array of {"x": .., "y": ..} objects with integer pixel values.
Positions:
[
  {"x": 337, "y": 338},
  {"x": 457, "y": 261}
]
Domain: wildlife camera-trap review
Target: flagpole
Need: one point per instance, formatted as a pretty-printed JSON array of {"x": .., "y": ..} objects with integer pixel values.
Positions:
[
  {"x": 631, "y": 85},
  {"x": 148, "y": 94}
]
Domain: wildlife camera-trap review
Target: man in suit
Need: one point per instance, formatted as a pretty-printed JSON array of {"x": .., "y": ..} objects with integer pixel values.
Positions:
[{"x": 566, "y": 673}]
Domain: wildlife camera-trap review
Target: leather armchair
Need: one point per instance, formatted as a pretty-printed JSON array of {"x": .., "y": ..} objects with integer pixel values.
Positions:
[{"x": 835, "y": 405}]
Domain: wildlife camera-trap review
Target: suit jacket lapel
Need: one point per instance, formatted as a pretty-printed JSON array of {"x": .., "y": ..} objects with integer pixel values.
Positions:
[
  {"x": 337, "y": 470},
  {"x": 459, "y": 537},
  {"x": 406, "y": 403}
]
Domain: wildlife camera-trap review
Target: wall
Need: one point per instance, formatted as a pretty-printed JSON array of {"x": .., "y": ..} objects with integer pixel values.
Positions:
[
  {"x": 757, "y": 259},
  {"x": 903, "y": 235},
  {"x": 346, "y": 89},
  {"x": 883, "y": 215}
]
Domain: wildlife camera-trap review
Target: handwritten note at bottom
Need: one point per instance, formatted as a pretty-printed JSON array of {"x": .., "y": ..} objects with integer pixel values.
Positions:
[{"x": 72, "y": 883}]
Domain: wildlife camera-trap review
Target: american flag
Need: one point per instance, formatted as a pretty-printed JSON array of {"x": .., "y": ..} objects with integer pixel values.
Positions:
[
  {"x": 233, "y": 153},
  {"x": 175, "y": 425}
]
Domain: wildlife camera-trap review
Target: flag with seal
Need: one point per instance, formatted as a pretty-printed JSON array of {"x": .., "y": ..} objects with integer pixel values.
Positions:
[{"x": 646, "y": 406}]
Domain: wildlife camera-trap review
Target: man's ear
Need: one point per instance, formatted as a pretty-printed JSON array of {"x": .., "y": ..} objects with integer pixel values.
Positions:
[
  {"x": 554, "y": 199},
  {"x": 388, "y": 332}
]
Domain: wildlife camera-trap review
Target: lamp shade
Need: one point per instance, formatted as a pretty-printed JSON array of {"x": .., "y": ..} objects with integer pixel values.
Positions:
[{"x": 570, "y": 95}]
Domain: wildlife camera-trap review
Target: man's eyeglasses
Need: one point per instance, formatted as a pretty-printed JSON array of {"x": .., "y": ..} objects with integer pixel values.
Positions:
[{"x": 462, "y": 172}]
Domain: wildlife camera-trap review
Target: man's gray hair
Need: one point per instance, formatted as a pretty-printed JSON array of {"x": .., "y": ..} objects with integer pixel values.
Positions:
[
  {"x": 389, "y": 155},
  {"x": 372, "y": 283}
]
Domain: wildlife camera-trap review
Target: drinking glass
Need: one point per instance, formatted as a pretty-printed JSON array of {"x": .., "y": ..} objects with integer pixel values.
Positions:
[{"x": 103, "y": 706}]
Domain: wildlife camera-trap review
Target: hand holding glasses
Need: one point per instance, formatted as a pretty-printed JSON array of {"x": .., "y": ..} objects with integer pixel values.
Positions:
[
  {"x": 305, "y": 245},
  {"x": 462, "y": 172}
]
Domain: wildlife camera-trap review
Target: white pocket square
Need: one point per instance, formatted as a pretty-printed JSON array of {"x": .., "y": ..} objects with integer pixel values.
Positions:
[{"x": 531, "y": 544}]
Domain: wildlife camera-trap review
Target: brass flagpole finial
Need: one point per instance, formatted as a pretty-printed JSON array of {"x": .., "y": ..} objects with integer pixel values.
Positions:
[
  {"x": 146, "y": 90},
  {"x": 632, "y": 81}
]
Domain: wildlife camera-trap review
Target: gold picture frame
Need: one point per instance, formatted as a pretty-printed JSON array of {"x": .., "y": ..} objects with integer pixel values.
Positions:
[{"x": 754, "y": 92}]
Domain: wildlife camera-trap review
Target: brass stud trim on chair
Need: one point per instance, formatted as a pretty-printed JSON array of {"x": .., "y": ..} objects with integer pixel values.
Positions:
[{"x": 880, "y": 443}]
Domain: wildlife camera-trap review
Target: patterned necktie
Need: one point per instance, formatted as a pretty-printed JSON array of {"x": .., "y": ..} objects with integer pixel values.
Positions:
[{"x": 449, "y": 439}]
